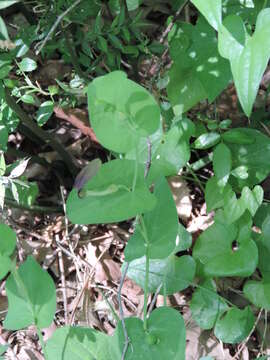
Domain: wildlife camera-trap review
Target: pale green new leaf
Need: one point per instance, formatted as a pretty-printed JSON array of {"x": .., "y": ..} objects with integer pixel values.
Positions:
[
  {"x": 248, "y": 57},
  {"x": 160, "y": 227},
  {"x": 31, "y": 297},
  {"x": 121, "y": 111},
  {"x": 174, "y": 273},
  {"x": 6, "y": 3},
  {"x": 109, "y": 196},
  {"x": 211, "y": 10},
  {"x": 78, "y": 343}
]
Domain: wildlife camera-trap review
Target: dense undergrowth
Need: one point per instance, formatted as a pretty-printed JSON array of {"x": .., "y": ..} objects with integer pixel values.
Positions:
[{"x": 160, "y": 90}]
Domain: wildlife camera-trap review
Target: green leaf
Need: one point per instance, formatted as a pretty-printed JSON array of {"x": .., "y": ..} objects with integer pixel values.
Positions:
[
  {"x": 258, "y": 293},
  {"x": 45, "y": 111},
  {"x": 31, "y": 297},
  {"x": 205, "y": 141},
  {"x": 198, "y": 71},
  {"x": 160, "y": 227},
  {"x": 164, "y": 339},
  {"x": 3, "y": 137},
  {"x": 3, "y": 29},
  {"x": 6, "y": 3},
  {"x": 214, "y": 248},
  {"x": 250, "y": 200},
  {"x": 235, "y": 325},
  {"x": 211, "y": 10},
  {"x": 2, "y": 195},
  {"x": 222, "y": 164},
  {"x": 27, "y": 65},
  {"x": 252, "y": 151},
  {"x": 121, "y": 111},
  {"x": 7, "y": 240},
  {"x": 28, "y": 99},
  {"x": 2, "y": 165},
  {"x": 109, "y": 196},
  {"x": 170, "y": 151},
  {"x": 175, "y": 273},
  {"x": 78, "y": 343},
  {"x": 206, "y": 305},
  {"x": 248, "y": 55},
  {"x": 214, "y": 195}
]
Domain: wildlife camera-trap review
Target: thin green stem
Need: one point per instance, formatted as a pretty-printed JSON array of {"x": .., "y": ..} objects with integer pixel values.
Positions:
[
  {"x": 115, "y": 316},
  {"x": 42, "y": 343},
  {"x": 147, "y": 265},
  {"x": 195, "y": 177},
  {"x": 135, "y": 171},
  {"x": 34, "y": 208}
]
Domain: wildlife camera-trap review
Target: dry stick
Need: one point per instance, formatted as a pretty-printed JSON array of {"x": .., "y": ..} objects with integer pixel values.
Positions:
[
  {"x": 154, "y": 299},
  {"x": 57, "y": 22},
  {"x": 63, "y": 283},
  {"x": 121, "y": 312},
  {"x": 169, "y": 27},
  {"x": 244, "y": 343},
  {"x": 41, "y": 134}
]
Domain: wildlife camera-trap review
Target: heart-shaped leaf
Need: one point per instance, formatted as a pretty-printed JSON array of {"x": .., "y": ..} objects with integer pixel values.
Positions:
[
  {"x": 235, "y": 325},
  {"x": 31, "y": 297},
  {"x": 160, "y": 226},
  {"x": 164, "y": 339},
  {"x": 206, "y": 306},
  {"x": 109, "y": 196},
  {"x": 121, "y": 111},
  {"x": 248, "y": 55},
  {"x": 214, "y": 248},
  {"x": 175, "y": 273}
]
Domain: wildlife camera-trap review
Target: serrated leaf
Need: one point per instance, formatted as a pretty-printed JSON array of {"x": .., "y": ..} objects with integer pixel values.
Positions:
[
  {"x": 222, "y": 164},
  {"x": 206, "y": 305},
  {"x": 31, "y": 297},
  {"x": 175, "y": 273},
  {"x": 235, "y": 325}
]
